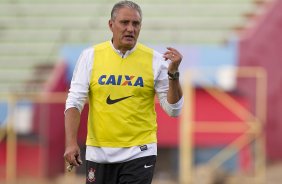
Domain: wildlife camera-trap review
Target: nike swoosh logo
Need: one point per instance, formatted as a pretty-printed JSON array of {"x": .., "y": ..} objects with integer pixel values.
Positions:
[
  {"x": 113, "y": 101},
  {"x": 147, "y": 166}
]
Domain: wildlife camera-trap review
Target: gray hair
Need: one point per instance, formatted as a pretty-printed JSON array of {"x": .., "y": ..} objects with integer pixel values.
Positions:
[{"x": 122, "y": 4}]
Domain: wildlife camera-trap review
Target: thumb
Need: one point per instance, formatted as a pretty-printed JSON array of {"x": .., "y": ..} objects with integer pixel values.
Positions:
[{"x": 78, "y": 159}]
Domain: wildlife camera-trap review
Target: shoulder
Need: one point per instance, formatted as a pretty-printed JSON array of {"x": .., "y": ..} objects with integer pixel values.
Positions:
[
  {"x": 158, "y": 56},
  {"x": 159, "y": 62},
  {"x": 88, "y": 51},
  {"x": 102, "y": 46},
  {"x": 86, "y": 57},
  {"x": 145, "y": 49}
]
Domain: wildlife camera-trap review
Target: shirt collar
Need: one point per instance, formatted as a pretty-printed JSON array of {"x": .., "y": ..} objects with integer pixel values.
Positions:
[{"x": 120, "y": 53}]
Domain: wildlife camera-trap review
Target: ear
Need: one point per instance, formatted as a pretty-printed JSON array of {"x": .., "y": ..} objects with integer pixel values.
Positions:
[{"x": 111, "y": 24}]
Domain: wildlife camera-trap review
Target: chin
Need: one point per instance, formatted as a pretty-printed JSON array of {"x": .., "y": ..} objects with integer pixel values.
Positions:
[{"x": 129, "y": 45}]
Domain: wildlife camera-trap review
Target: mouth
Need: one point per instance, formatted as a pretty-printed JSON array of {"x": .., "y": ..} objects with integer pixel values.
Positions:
[{"x": 129, "y": 37}]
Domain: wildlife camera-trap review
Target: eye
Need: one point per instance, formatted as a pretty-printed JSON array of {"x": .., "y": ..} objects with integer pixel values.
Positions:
[
  {"x": 136, "y": 23},
  {"x": 124, "y": 22}
]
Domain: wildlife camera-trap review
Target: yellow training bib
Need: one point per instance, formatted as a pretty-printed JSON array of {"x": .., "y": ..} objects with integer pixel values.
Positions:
[{"x": 121, "y": 98}]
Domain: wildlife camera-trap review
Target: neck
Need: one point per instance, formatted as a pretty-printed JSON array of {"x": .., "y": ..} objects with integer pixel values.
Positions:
[{"x": 123, "y": 50}]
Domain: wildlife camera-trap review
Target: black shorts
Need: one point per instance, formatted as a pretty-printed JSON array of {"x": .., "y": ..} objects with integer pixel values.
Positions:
[{"x": 137, "y": 171}]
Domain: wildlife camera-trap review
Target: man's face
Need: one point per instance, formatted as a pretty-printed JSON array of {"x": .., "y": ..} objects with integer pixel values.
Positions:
[{"x": 125, "y": 27}]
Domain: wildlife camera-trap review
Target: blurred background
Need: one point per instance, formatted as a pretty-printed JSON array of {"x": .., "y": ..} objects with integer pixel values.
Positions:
[{"x": 230, "y": 130}]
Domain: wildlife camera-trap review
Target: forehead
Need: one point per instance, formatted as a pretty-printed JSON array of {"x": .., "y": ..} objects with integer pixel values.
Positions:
[{"x": 127, "y": 13}]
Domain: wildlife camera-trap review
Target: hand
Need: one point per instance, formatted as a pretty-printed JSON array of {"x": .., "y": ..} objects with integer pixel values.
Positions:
[
  {"x": 175, "y": 57},
  {"x": 72, "y": 156}
]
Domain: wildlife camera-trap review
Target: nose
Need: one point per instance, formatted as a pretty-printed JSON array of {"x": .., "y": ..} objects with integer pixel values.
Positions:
[{"x": 130, "y": 28}]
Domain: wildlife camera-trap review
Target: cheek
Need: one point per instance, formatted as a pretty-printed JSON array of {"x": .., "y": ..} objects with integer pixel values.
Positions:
[
  {"x": 117, "y": 33},
  {"x": 138, "y": 29},
  {"x": 137, "y": 32}
]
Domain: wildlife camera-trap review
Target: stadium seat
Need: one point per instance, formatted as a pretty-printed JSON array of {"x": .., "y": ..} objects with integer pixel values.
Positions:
[{"x": 32, "y": 32}]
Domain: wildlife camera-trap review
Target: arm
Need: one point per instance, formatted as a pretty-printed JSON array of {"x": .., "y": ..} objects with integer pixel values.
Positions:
[
  {"x": 72, "y": 151},
  {"x": 169, "y": 92},
  {"x": 74, "y": 104},
  {"x": 174, "y": 93}
]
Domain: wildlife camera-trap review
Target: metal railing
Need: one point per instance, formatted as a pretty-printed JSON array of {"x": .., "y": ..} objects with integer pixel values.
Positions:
[{"x": 252, "y": 130}]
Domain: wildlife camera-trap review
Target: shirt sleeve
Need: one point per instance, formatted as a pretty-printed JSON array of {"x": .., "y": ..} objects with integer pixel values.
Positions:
[
  {"x": 160, "y": 67},
  {"x": 79, "y": 87}
]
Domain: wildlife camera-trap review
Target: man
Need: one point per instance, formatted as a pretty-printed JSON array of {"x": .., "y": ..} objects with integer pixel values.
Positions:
[{"x": 121, "y": 78}]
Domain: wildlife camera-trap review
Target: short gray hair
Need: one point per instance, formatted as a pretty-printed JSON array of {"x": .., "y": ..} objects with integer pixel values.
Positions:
[{"x": 122, "y": 4}]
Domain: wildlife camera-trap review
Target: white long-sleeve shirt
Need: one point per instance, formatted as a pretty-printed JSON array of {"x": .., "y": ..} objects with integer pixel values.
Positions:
[{"x": 78, "y": 94}]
